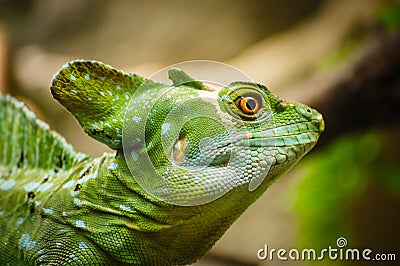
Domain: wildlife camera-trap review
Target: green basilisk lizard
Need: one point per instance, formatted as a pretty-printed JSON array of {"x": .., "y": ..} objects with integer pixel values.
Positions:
[{"x": 190, "y": 158}]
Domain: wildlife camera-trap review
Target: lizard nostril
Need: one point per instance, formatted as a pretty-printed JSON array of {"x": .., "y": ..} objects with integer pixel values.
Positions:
[{"x": 306, "y": 111}]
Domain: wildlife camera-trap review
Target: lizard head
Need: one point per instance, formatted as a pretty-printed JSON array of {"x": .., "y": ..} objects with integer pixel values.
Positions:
[
  {"x": 202, "y": 140},
  {"x": 192, "y": 142}
]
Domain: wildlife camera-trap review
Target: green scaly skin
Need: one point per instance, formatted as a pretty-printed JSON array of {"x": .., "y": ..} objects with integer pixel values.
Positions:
[{"x": 59, "y": 207}]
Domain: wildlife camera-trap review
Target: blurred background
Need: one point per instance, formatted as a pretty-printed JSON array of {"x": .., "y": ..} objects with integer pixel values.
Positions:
[{"x": 341, "y": 57}]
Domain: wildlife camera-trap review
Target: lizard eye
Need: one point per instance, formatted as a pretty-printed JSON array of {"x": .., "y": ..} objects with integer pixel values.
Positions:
[{"x": 249, "y": 105}]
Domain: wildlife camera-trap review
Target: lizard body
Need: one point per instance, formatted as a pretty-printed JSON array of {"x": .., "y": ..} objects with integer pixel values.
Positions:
[{"x": 59, "y": 207}]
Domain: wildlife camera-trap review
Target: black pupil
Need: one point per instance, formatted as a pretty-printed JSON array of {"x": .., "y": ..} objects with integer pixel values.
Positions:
[{"x": 251, "y": 104}]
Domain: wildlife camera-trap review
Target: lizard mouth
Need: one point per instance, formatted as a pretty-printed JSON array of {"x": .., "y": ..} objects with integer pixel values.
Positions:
[
  {"x": 284, "y": 136},
  {"x": 289, "y": 136}
]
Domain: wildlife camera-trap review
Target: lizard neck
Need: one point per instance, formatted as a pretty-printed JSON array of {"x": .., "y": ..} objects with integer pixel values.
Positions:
[{"x": 147, "y": 226}]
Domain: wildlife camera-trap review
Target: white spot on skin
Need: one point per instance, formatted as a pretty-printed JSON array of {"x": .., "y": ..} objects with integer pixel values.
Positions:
[
  {"x": 69, "y": 184},
  {"x": 118, "y": 87},
  {"x": 19, "y": 221},
  {"x": 83, "y": 246},
  {"x": 89, "y": 99},
  {"x": 48, "y": 211},
  {"x": 149, "y": 145},
  {"x": 73, "y": 257},
  {"x": 58, "y": 244},
  {"x": 225, "y": 98},
  {"x": 8, "y": 185},
  {"x": 72, "y": 77},
  {"x": 125, "y": 208},
  {"x": 73, "y": 92},
  {"x": 134, "y": 156},
  {"x": 102, "y": 94},
  {"x": 80, "y": 224},
  {"x": 74, "y": 193},
  {"x": 31, "y": 186},
  {"x": 165, "y": 128},
  {"x": 113, "y": 166},
  {"x": 77, "y": 202},
  {"x": 87, "y": 77},
  {"x": 25, "y": 242},
  {"x": 137, "y": 119},
  {"x": 2, "y": 213},
  {"x": 44, "y": 187},
  {"x": 88, "y": 177},
  {"x": 109, "y": 93}
]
